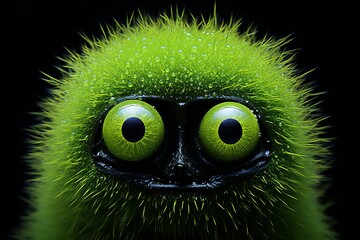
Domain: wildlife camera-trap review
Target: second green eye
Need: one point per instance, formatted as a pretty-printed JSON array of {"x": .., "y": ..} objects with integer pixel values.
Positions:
[
  {"x": 133, "y": 130},
  {"x": 229, "y": 132}
]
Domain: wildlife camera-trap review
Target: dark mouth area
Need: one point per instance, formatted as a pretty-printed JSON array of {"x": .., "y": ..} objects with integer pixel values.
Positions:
[{"x": 184, "y": 181}]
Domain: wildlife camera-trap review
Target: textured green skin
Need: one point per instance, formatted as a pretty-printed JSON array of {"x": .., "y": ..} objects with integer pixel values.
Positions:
[{"x": 179, "y": 61}]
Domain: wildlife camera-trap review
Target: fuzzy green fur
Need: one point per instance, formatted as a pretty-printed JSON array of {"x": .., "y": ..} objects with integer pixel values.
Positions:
[{"x": 179, "y": 60}]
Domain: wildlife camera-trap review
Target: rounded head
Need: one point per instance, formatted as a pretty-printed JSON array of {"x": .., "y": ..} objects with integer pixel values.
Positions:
[{"x": 179, "y": 129}]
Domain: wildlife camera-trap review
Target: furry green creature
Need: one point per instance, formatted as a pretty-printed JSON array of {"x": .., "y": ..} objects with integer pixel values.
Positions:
[{"x": 177, "y": 129}]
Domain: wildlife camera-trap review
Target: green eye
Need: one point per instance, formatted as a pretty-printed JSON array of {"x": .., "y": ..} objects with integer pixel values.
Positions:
[
  {"x": 133, "y": 130},
  {"x": 229, "y": 132}
]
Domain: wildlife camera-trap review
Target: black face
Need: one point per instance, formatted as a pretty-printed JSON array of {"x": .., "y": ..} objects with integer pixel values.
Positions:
[{"x": 181, "y": 162}]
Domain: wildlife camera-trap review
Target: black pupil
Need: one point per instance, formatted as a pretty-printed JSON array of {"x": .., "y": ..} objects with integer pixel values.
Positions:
[
  {"x": 133, "y": 129},
  {"x": 230, "y": 131}
]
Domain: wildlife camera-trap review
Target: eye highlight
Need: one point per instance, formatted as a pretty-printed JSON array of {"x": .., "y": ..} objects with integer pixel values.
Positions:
[
  {"x": 229, "y": 132},
  {"x": 133, "y": 130}
]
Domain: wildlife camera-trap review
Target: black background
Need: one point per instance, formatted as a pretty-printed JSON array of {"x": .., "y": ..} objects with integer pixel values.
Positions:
[{"x": 33, "y": 33}]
